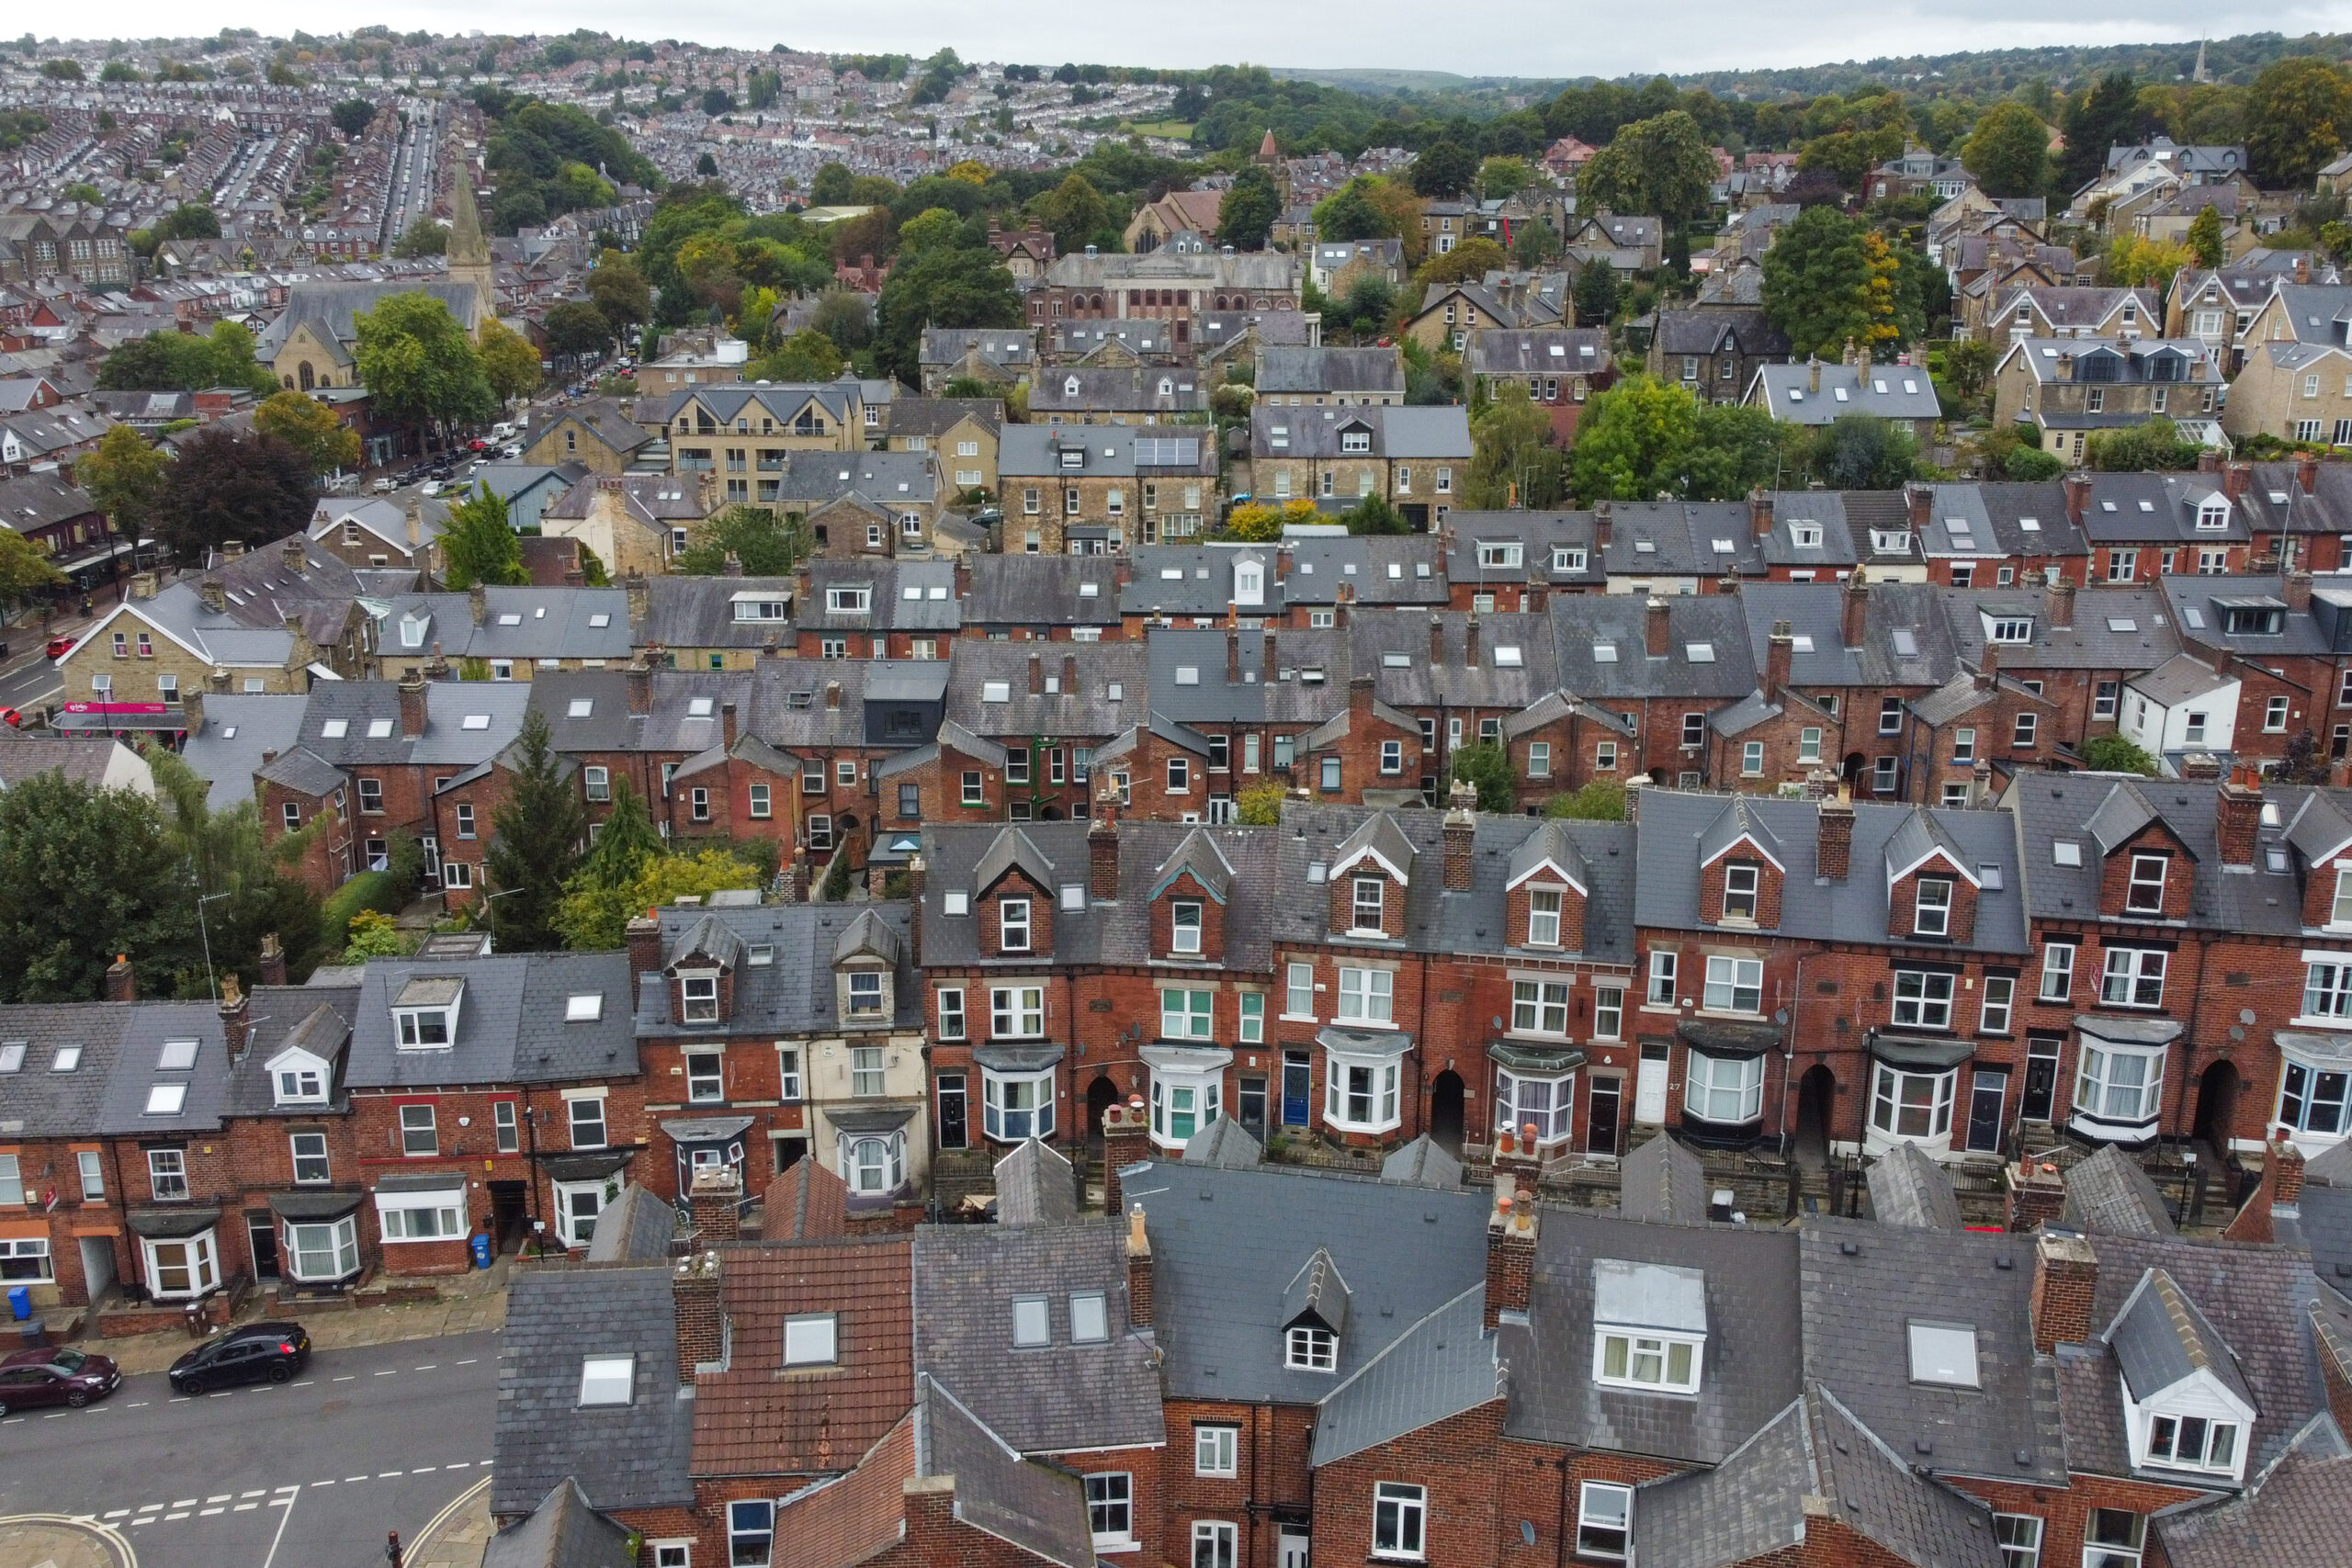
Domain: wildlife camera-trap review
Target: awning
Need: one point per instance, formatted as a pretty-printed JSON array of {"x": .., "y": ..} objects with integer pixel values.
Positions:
[
  {"x": 107, "y": 723},
  {"x": 1919, "y": 1051},
  {"x": 171, "y": 1224},
  {"x": 1014, "y": 1059},
  {"x": 2128, "y": 1030},
  {"x": 706, "y": 1129},
  {"x": 879, "y": 1119},
  {"x": 423, "y": 1181},
  {"x": 585, "y": 1168},
  {"x": 100, "y": 557},
  {"x": 1729, "y": 1039},
  {"x": 2315, "y": 1050},
  {"x": 1187, "y": 1058},
  {"x": 314, "y": 1205},
  {"x": 1363, "y": 1042},
  {"x": 1524, "y": 1058}
]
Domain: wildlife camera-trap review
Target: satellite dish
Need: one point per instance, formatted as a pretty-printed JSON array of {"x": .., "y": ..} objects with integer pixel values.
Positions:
[
  {"x": 2237, "y": 1031},
  {"x": 1498, "y": 1023},
  {"x": 1781, "y": 1017},
  {"x": 1527, "y": 1531},
  {"x": 2245, "y": 1015}
]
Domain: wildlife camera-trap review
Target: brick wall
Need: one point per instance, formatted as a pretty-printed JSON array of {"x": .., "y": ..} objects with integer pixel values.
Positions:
[
  {"x": 1711, "y": 878},
  {"x": 1453, "y": 1460}
]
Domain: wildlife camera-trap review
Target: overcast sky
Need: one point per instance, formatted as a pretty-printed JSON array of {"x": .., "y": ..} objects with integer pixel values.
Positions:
[{"x": 1525, "y": 38}]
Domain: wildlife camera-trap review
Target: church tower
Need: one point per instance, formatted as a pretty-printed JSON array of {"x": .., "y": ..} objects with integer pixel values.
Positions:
[{"x": 468, "y": 252}]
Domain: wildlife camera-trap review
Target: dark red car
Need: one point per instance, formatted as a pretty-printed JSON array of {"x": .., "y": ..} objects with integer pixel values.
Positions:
[
  {"x": 59, "y": 647},
  {"x": 59, "y": 1375}
]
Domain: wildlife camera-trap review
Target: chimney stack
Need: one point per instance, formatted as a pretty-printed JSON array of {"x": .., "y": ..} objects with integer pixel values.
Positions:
[
  {"x": 2079, "y": 496},
  {"x": 644, "y": 953},
  {"x": 1988, "y": 666},
  {"x": 1140, "y": 1292},
  {"x": 638, "y": 676},
  {"x": 2209, "y": 460},
  {"x": 213, "y": 594},
  {"x": 2238, "y": 813},
  {"x": 702, "y": 1332},
  {"x": 712, "y": 1201},
  {"x": 2280, "y": 1190},
  {"x": 1461, "y": 832},
  {"x": 727, "y": 726},
  {"x": 2299, "y": 592},
  {"x": 2065, "y": 1279},
  {"x": 236, "y": 1015},
  {"x": 1833, "y": 850},
  {"x": 120, "y": 984},
  {"x": 1069, "y": 675},
  {"x": 1510, "y": 1249},
  {"x": 1269, "y": 648},
  {"x": 2307, "y": 472},
  {"x": 1779, "y": 653},
  {"x": 1126, "y": 1141},
  {"x": 1854, "y": 609},
  {"x": 2236, "y": 480},
  {"x": 1470, "y": 642},
  {"x": 1759, "y": 512},
  {"x": 732, "y": 566},
  {"x": 1437, "y": 643},
  {"x": 1359, "y": 698},
  {"x": 2062, "y": 601},
  {"x": 834, "y": 696},
  {"x": 641, "y": 599},
  {"x": 1232, "y": 656},
  {"x": 1604, "y": 522},
  {"x": 1813, "y": 366},
  {"x": 477, "y": 600},
  {"x": 1654, "y": 626},
  {"x": 272, "y": 965},
  {"x": 1037, "y": 676},
  {"x": 1102, "y": 851},
  {"x": 1918, "y": 500},
  {"x": 413, "y": 706}
]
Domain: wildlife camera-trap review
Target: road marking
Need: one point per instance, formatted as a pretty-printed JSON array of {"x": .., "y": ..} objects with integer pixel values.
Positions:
[
  {"x": 433, "y": 1367},
  {"x": 345, "y": 1378},
  {"x": 387, "y": 1475},
  {"x": 304, "y": 1383},
  {"x": 355, "y": 1478},
  {"x": 169, "y": 1517},
  {"x": 323, "y": 1483},
  {"x": 462, "y": 1464},
  {"x": 13, "y": 1421},
  {"x": 138, "y": 1405},
  {"x": 116, "y": 1513},
  {"x": 281, "y": 1502},
  {"x": 425, "y": 1470},
  {"x": 282, "y": 1489},
  {"x": 387, "y": 1373},
  {"x": 183, "y": 1501},
  {"x": 288, "y": 1501},
  {"x": 222, "y": 1497},
  {"x": 208, "y": 1513},
  {"x": 224, "y": 1393},
  {"x": 53, "y": 1414},
  {"x": 469, "y": 1361},
  {"x": 245, "y": 1507},
  {"x": 257, "y": 1492}
]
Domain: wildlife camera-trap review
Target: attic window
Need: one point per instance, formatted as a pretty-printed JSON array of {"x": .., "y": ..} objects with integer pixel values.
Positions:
[
  {"x": 2106, "y": 506},
  {"x": 1989, "y": 877},
  {"x": 1396, "y": 571},
  {"x": 580, "y": 707},
  {"x": 510, "y": 619},
  {"x": 1944, "y": 1353},
  {"x": 1906, "y": 643},
  {"x": 1644, "y": 547},
  {"x": 68, "y": 1057},
  {"x": 334, "y": 730},
  {"x": 2122, "y": 623},
  {"x": 474, "y": 721},
  {"x": 1700, "y": 652},
  {"x": 607, "y": 1380},
  {"x": 1089, "y": 590},
  {"x": 1171, "y": 574},
  {"x": 12, "y": 1056},
  {"x": 378, "y": 729},
  {"x": 1604, "y": 653},
  {"x": 996, "y": 691},
  {"x": 809, "y": 1339},
  {"x": 2147, "y": 506},
  {"x": 1396, "y": 661},
  {"x": 600, "y": 620},
  {"x": 1188, "y": 674},
  {"x": 1507, "y": 657},
  {"x": 760, "y": 957},
  {"x": 1031, "y": 1325},
  {"x": 1116, "y": 691},
  {"x": 177, "y": 1056},
  {"x": 167, "y": 1098},
  {"x": 2029, "y": 524},
  {"x": 2065, "y": 852},
  {"x": 1801, "y": 642},
  {"x": 587, "y": 1007},
  {"x": 1724, "y": 547},
  {"x": 698, "y": 708}
]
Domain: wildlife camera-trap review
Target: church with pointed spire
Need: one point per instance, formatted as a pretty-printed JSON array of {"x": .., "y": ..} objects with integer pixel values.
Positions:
[{"x": 469, "y": 250}]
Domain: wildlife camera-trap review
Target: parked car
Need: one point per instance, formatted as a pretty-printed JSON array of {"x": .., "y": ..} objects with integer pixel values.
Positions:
[
  {"x": 385, "y": 485},
  {"x": 58, "y": 1375},
  {"x": 275, "y": 1351},
  {"x": 59, "y": 647},
  {"x": 511, "y": 451}
]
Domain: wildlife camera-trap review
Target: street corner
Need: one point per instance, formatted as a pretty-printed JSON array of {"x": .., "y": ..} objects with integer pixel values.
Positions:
[{"x": 54, "y": 1541}]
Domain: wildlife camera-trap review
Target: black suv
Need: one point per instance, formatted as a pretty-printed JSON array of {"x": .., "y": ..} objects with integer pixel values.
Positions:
[{"x": 275, "y": 1351}]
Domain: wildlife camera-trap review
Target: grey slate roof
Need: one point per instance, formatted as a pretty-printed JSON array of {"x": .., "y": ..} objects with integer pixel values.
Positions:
[
  {"x": 1664, "y": 1183},
  {"x": 1040, "y": 1510},
  {"x": 1035, "y": 1187},
  {"x": 635, "y": 1227},
  {"x": 1747, "y": 1507},
  {"x": 623, "y": 1456},
  {"x": 1225, "y": 1244},
  {"x": 511, "y": 1025},
  {"x": 1676, "y": 825},
  {"x": 1224, "y": 1143},
  {"x": 1045, "y": 1399},
  {"x": 1421, "y": 1163},
  {"x": 1354, "y": 372},
  {"x": 2298, "y": 1514},
  {"x": 1885, "y": 1497},
  {"x": 2160, "y": 1337},
  {"x": 1750, "y": 1369},
  {"x": 793, "y": 993},
  {"x": 1601, "y": 643},
  {"x": 1438, "y": 1368},
  {"x": 1891, "y": 391},
  {"x": 2109, "y": 1193},
  {"x": 1857, "y": 1311},
  {"x": 1082, "y": 707},
  {"x": 1041, "y": 591},
  {"x": 699, "y": 611},
  {"x": 564, "y": 1531},
  {"x": 237, "y": 731},
  {"x": 139, "y": 1069},
  {"x": 1908, "y": 1189},
  {"x": 36, "y": 1101}
]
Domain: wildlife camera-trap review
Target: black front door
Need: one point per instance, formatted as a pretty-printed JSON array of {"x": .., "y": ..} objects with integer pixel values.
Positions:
[
  {"x": 262, "y": 1230},
  {"x": 1989, "y": 1093},
  {"x": 1601, "y": 1115},
  {"x": 953, "y": 1132},
  {"x": 1297, "y": 1088},
  {"x": 2041, "y": 1080},
  {"x": 1252, "y": 1108}
]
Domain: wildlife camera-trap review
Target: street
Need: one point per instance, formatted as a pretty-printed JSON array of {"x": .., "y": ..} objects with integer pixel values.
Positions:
[
  {"x": 309, "y": 1475},
  {"x": 29, "y": 681}
]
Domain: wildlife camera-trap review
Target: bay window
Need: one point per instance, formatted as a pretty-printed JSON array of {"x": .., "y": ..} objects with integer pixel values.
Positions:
[
  {"x": 2118, "y": 1083},
  {"x": 1545, "y": 1102},
  {"x": 25, "y": 1260},
  {"x": 1735, "y": 984},
  {"x": 1539, "y": 1007},
  {"x": 2134, "y": 978},
  {"x": 182, "y": 1267},
  {"x": 1727, "y": 1090},
  {"x": 874, "y": 1166},
  {"x": 2311, "y": 1096},
  {"x": 1912, "y": 1107},
  {"x": 1367, "y": 996},
  {"x": 1187, "y": 1091},
  {"x": 1360, "y": 1091},
  {"x": 1015, "y": 1106},
  {"x": 1923, "y": 998},
  {"x": 325, "y": 1251}
]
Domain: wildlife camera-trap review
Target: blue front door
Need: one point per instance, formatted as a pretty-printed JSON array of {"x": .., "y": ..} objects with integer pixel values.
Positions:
[{"x": 1297, "y": 1091}]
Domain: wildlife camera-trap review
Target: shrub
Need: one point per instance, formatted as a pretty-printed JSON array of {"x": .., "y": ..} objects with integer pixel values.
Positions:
[{"x": 375, "y": 890}]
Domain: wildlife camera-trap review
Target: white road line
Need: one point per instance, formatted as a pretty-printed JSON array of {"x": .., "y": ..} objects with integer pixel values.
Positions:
[
  {"x": 387, "y": 1475},
  {"x": 355, "y": 1478},
  {"x": 138, "y": 1405},
  {"x": 116, "y": 1513},
  {"x": 387, "y": 1373},
  {"x": 425, "y": 1470},
  {"x": 288, "y": 1501},
  {"x": 13, "y": 1421},
  {"x": 281, "y": 1502},
  {"x": 469, "y": 1361},
  {"x": 224, "y": 1393},
  {"x": 220, "y": 1497},
  {"x": 53, "y": 1414},
  {"x": 282, "y": 1489},
  {"x": 245, "y": 1507},
  {"x": 462, "y": 1464},
  {"x": 433, "y": 1367},
  {"x": 208, "y": 1513},
  {"x": 304, "y": 1383},
  {"x": 257, "y": 1492},
  {"x": 183, "y": 1501},
  {"x": 345, "y": 1378},
  {"x": 169, "y": 1517}
]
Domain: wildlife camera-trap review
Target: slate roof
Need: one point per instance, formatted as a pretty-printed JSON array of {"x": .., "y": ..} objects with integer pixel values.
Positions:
[
  {"x": 1034, "y": 1186},
  {"x": 635, "y": 1227},
  {"x": 1885, "y": 1497},
  {"x": 1227, "y": 1244},
  {"x": 1892, "y": 391},
  {"x": 564, "y": 1531},
  {"x": 1127, "y": 390},
  {"x": 510, "y": 1024},
  {"x": 699, "y": 611},
  {"x": 1856, "y": 1311},
  {"x": 1664, "y": 1183},
  {"x": 315, "y": 1018},
  {"x": 546, "y": 623},
  {"x": 1021, "y": 590},
  {"x": 1082, "y": 707},
  {"x": 1589, "y": 628},
  {"x": 1718, "y": 331},
  {"x": 139, "y": 1069},
  {"x": 748, "y": 1419},
  {"x": 1748, "y": 1505},
  {"x": 36, "y": 1101},
  {"x": 2160, "y": 1338},
  {"x": 1908, "y": 1189},
  {"x": 1405, "y": 432},
  {"x": 1539, "y": 535},
  {"x": 1438, "y": 1368},
  {"x": 1055, "y": 1398},
  {"x": 1676, "y": 825},
  {"x": 1750, "y": 1369},
  {"x": 2296, "y": 1514},
  {"x": 1422, "y": 662},
  {"x": 793, "y": 993},
  {"x": 1520, "y": 352},
  {"x": 1038, "y": 1509},
  {"x": 2109, "y": 1193},
  {"x": 623, "y": 1456},
  {"x": 1352, "y": 372},
  {"x": 1396, "y": 568}
]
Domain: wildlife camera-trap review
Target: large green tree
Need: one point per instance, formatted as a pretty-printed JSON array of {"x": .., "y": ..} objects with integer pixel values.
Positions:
[
  {"x": 1859, "y": 451},
  {"x": 535, "y": 843},
  {"x": 171, "y": 361},
  {"x": 575, "y": 327},
  {"x": 1444, "y": 168},
  {"x": 964, "y": 286},
  {"x": 1514, "y": 462},
  {"x": 1247, "y": 214},
  {"x": 1817, "y": 283},
  {"x": 224, "y": 852},
  {"x": 2095, "y": 120},
  {"x": 1643, "y": 437},
  {"x": 248, "y": 487},
  {"x": 2008, "y": 151},
  {"x": 2298, "y": 116},
  {"x": 762, "y": 543},
  {"x": 311, "y": 428},
  {"x": 1662, "y": 165},
  {"x": 420, "y": 369},
  {"x": 127, "y": 477},
  {"x": 508, "y": 360},
  {"x": 1075, "y": 211},
  {"x": 479, "y": 545},
  {"x": 86, "y": 873}
]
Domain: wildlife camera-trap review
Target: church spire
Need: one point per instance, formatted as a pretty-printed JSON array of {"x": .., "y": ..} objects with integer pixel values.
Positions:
[{"x": 468, "y": 252}]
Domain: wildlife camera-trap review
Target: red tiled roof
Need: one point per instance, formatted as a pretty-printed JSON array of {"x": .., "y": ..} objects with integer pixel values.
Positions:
[{"x": 856, "y": 1516}]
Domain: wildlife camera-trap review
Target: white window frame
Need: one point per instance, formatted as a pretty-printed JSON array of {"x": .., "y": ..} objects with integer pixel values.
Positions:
[
  {"x": 1920, "y": 1002},
  {"x": 1741, "y": 1078},
  {"x": 1743, "y": 892},
  {"x": 2133, "y": 977},
  {"x": 2019, "y": 1536},
  {"x": 316, "y": 1159},
  {"x": 1310, "y": 1348},
  {"x": 1546, "y": 1099},
  {"x": 1899, "y": 1099},
  {"x": 1213, "y": 1541},
  {"x": 1539, "y": 1007},
  {"x": 1729, "y": 978},
  {"x": 1110, "y": 1510},
  {"x": 340, "y": 1247},
  {"x": 1605, "y": 1529},
  {"x": 1216, "y": 1451},
  {"x": 1016, "y": 1012},
  {"x": 1661, "y": 987},
  {"x": 1544, "y": 917},
  {"x": 1359, "y": 1093},
  {"x": 1367, "y": 996},
  {"x": 1998, "y": 1011},
  {"x": 2101, "y": 1094},
  {"x": 1400, "y": 1521},
  {"x": 2057, "y": 972},
  {"x": 1644, "y": 1347},
  {"x": 1012, "y": 916},
  {"x": 1016, "y": 1106}
]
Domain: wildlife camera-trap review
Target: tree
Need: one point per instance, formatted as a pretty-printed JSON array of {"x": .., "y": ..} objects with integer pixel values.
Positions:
[
  {"x": 24, "y": 570},
  {"x": 2114, "y": 754},
  {"x": 225, "y": 854},
  {"x": 509, "y": 360},
  {"x": 765, "y": 544},
  {"x": 2141, "y": 448},
  {"x": 832, "y": 186},
  {"x": 929, "y": 230},
  {"x": 424, "y": 237},
  {"x": 845, "y": 317},
  {"x": 2031, "y": 465},
  {"x": 1467, "y": 262},
  {"x": 1370, "y": 307},
  {"x": 479, "y": 545},
  {"x": 1247, "y": 214},
  {"x": 352, "y": 117},
  {"x": 1596, "y": 294},
  {"x": 618, "y": 290},
  {"x": 190, "y": 220},
  {"x": 171, "y": 361},
  {"x": 62, "y": 70},
  {"x": 126, "y": 477},
  {"x": 1643, "y": 437},
  {"x": 1074, "y": 211},
  {"x": 372, "y": 934},
  {"x": 1444, "y": 169},
  {"x": 2008, "y": 151},
  {"x": 593, "y": 917},
  {"x": 1661, "y": 165},
  {"x": 807, "y": 355},
  {"x": 2205, "y": 237},
  {"x": 2298, "y": 116},
  {"x": 574, "y": 327},
  {"x": 1348, "y": 214},
  {"x": 966, "y": 286},
  {"x": 1514, "y": 462},
  {"x": 249, "y": 487},
  {"x": 1601, "y": 800},
  {"x": 1372, "y": 515},
  {"x": 1859, "y": 451},
  {"x": 1261, "y": 523},
  {"x": 86, "y": 873},
  {"x": 2135, "y": 263},
  {"x": 2095, "y": 120},
  {"x": 1486, "y": 765},
  {"x": 535, "y": 841},
  {"x": 1533, "y": 245},
  {"x": 311, "y": 428},
  {"x": 1818, "y": 283},
  {"x": 419, "y": 367},
  {"x": 1501, "y": 177},
  {"x": 1969, "y": 364},
  {"x": 1261, "y": 805}
]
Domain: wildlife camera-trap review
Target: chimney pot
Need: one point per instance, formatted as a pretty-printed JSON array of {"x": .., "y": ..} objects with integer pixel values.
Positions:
[
  {"x": 1655, "y": 627},
  {"x": 1461, "y": 834},
  {"x": 1854, "y": 603}
]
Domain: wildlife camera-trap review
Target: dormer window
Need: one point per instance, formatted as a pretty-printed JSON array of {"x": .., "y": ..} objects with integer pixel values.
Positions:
[
  {"x": 1740, "y": 893},
  {"x": 2145, "y": 894},
  {"x": 1365, "y": 912},
  {"x": 1307, "y": 1349},
  {"x": 1931, "y": 908},
  {"x": 1649, "y": 1326},
  {"x": 1355, "y": 441},
  {"x": 2213, "y": 513},
  {"x": 426, "y": 1013},
  {"x": 698, "y": 997},
  {"x": 299, "y": 1082},
  {"x": 1544, "y": 917},
  {"x": 1249, "y": 584},
  {"x": 1012, "y": 925},
  {"x": 412, "y": 631},
  {"x": 1185, "y": 926},
  {"x": 2193, "y": 1442},
  {"x": 865, "y": 994}
]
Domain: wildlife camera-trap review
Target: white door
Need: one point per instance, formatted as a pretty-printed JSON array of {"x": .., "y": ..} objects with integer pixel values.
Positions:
[
  {"x": 1649, "y": 1085},
  {"x": 97, "y": 1264},
  {"x": 1293, "y": 1549}
]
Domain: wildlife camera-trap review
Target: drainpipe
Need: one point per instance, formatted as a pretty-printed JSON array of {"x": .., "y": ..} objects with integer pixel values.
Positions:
[{"x": 1789, "y": 1058}]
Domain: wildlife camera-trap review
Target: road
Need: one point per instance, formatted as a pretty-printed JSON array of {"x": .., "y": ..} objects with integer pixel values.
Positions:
[
  {"x": 27, "y": 681},
  {"x": 310, "y": 1476},
  {"x": 415, "y": 166}
]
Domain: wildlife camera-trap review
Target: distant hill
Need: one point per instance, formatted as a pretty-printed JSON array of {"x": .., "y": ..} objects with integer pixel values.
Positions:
[{"x": 1374, "y": 81}]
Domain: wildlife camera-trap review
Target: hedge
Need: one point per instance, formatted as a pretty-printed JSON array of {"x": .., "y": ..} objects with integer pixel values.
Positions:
[{"x": 368, "y": 890}]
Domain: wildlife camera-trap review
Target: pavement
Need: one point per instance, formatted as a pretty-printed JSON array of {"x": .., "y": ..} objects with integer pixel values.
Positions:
[
  {"x": 471, "y": 1303},
  {"x": 314, "y": 1474}
]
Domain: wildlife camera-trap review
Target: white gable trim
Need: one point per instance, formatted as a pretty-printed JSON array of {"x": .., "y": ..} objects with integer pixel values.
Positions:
[
  {"x": 1551, "y": 865},
  {"x": 1369, "y": 853},
  {"x": 1751, "y": 842},
  {"x": 1897, "y": 873}
]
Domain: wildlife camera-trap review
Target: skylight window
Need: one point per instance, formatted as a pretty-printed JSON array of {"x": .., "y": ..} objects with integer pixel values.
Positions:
[
  {"x": 600, "y": 620},
  {"x": 1171, "y": 574},
  {"x": 698, "y": 708},
  {"x": 1188, "y": 674},
  {"x": 1116, "y": 691},
  {"x": 1943, "y": 1353},
  {"x": 165, "y": 1099},
  {"x": 1989, "y": 877},
  {"x": 12, "y": 1056},
  {"x": 68, "y": 1057},
  {"x": 1644, "y": 547},
  {"x": 584, "y": 1008},
  {"x": 2192, "y": 617},
  {"x": 510, "y": 619},
  {"x": 761, "y": 957},
  {"x": 809, "y": 1339},
  {"x": 1507, "y": 657},
  {"x": 996, "y": 691},
  {"x": 1090, "y": 1319},
  {"x": 1801, "y": 642},
  {"x": 334, "y": 730},
  {"x": 1604, "y": 653},
  {"x": 580, "y": 707},
  {"x": 177, "y": 1056},
  {"x": 607, "y": 1380},
  {"x": 1906, "y": 642},
  {"x": 1396, "y": 660},
  {"x": 1724, "y": 547},
  {"x": 2065, "y": 852},
  {"x": 474, "y": 721},
  {"x": 1089, "y": 590},
  {"x": 1032, "y": 1326},
  {"x": 378, "y": 729},
  {"x": 2029, "y": 524},
  {"x": 2147, "y": 506},
  {"x": 2122, "y": 623},
  {"x": 956, "y": 901},
  {"x": 1700, "y": 652}
]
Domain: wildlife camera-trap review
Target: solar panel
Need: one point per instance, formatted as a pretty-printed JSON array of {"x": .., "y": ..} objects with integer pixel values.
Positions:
[{"x": 1163, "y": 452}]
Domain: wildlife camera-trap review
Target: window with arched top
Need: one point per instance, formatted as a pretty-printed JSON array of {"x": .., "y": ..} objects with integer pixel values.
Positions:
[{"x": 304, "y": 372}]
